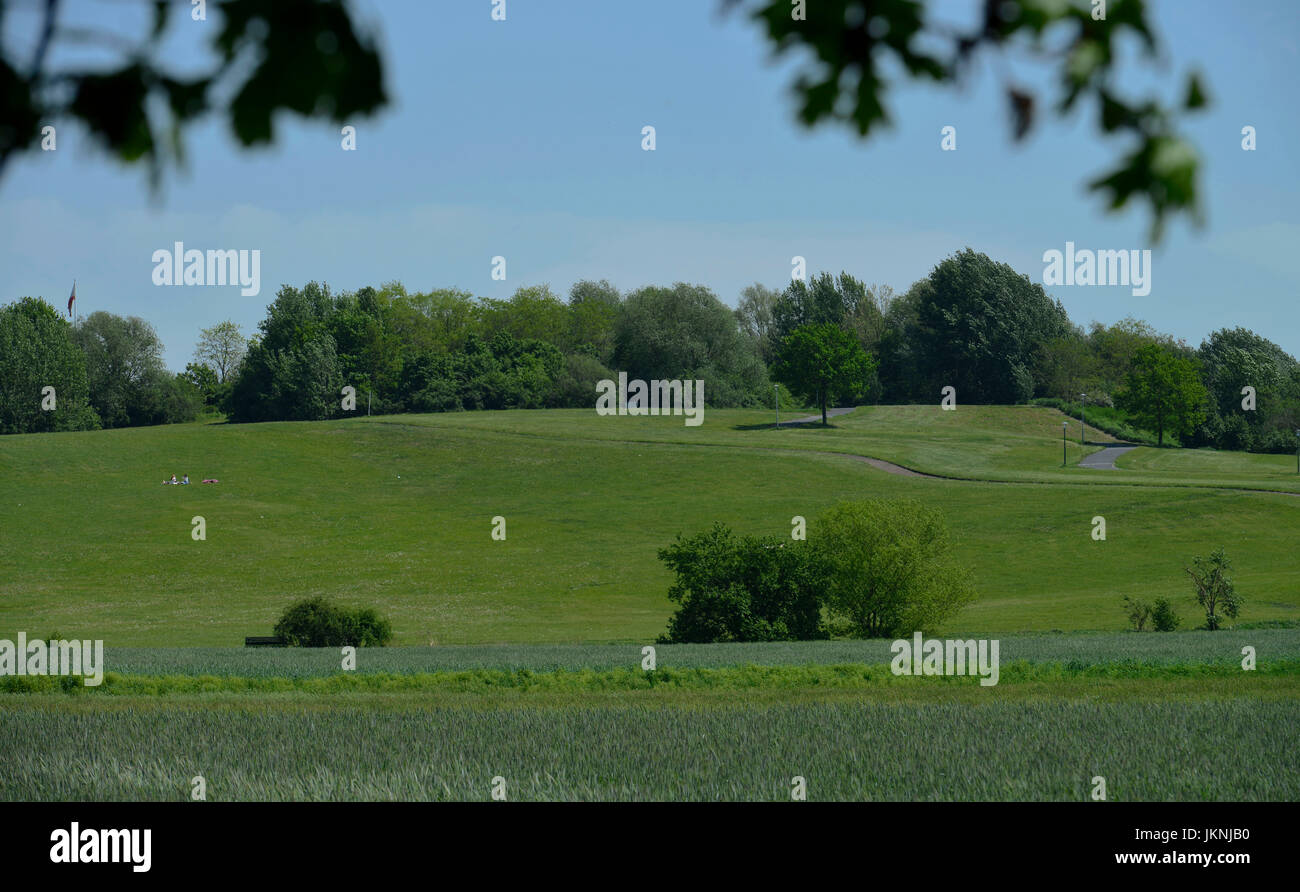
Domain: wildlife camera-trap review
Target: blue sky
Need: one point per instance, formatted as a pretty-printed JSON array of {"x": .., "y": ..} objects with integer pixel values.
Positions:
[{"x": 522, "y": 138}]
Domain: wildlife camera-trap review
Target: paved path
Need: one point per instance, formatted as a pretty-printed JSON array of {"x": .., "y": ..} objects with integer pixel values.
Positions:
[
  {"x": 1097, "y": 461},
  {"x": 817, "y": 419},
  {"x": 891, "y": 468},
  {"x": 1105, "y": 460}
]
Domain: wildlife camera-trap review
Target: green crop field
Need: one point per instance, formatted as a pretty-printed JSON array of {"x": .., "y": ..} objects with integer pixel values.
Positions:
[
  {"x": 535, "y": 674},
  {"x": 1049, "y": 747},
  {"x": 1082, "y": 650}
]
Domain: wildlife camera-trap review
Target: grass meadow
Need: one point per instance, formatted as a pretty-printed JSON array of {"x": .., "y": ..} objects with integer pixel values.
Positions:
[{"x": 397, "y": 513}]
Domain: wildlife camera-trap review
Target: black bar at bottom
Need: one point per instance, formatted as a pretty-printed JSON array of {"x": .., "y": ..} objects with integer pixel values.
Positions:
[{"x": 646, "y": 843}]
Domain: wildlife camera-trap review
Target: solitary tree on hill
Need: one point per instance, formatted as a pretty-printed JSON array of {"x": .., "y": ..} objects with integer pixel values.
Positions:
[{"x": 818, "y": 360}]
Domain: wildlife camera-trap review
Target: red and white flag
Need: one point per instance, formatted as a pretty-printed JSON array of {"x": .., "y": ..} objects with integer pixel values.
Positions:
[{"x": 72, "y": 296}]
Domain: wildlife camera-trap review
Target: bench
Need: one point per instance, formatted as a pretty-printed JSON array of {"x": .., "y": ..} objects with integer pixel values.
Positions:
[{"x": 263, "y": 641}]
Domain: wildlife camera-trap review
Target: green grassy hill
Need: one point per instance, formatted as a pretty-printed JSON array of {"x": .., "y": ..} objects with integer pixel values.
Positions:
[{"x": 396, "y": 512}]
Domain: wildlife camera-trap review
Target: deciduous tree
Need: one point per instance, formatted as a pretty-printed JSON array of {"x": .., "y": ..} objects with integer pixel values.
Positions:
[
  {"x": 1215, "y": 591},
  {"x": 817, "y": 361},
  {"x": 37, "y": 350},
  {"x": 221, "y": 348},
  {"x": 1163, "y": 392},
  {"x": 889, "y": 568}
]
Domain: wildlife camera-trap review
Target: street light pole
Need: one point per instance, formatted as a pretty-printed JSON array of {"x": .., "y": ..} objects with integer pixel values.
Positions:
[{"x": 1083, "y": 421}]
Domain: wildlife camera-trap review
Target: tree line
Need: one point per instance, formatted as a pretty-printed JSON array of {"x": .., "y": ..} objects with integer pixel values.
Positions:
[
  {"x": 106, "y": 371},
  {"x": 973, "y": 324}
]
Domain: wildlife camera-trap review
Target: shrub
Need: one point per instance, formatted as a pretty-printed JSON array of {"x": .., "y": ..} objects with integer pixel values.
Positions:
[
  {"x": 1214, "y": 589},
  {"x": 1101, "y": 417},
  {"x": 877, "y": 568},
  {"x": 734, "y": 588},
  {"x": 1163, "y": 618},
  {"x": 1139, "y": 613},
  {"x": 1236, "y": 434},
  {"x": 317, "y": 622},
  {"x": 576, "y": 386},
  {"x": 888, "y": 567},
  {"x": 370, "y": 629},
  {"x": 1279, "y": 441}
]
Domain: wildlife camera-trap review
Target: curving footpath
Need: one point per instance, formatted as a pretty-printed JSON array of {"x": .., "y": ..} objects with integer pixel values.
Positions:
[
  {"x": 1105, "y": 460},
  {"x": 1097, "y": 461}
]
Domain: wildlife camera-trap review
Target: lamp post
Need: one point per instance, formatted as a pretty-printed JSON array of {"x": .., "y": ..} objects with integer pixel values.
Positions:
[
  {"x": 1064, "y": 425},
  {"x": 1083, "y": 421}
]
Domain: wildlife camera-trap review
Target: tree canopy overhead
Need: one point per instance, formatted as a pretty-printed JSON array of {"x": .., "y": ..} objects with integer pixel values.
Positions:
[
  {"x": 854, "y": 44},
  {"x": 302, "y": 56}
]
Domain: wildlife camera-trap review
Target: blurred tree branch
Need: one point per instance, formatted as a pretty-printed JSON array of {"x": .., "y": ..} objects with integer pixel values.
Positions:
[
  {"x": 304, "y": 56},
  {"x": 852, "y": 42}
]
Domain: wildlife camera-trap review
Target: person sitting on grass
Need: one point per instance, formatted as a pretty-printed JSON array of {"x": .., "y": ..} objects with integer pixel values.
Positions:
[{"x": 185, "y": 482}]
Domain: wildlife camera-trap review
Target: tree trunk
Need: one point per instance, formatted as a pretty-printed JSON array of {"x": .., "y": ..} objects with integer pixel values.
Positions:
[{"x": 823, "y": 407}]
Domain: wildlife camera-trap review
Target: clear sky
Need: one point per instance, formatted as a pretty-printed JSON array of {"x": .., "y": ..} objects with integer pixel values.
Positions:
[{"x": 522, "y": 138}]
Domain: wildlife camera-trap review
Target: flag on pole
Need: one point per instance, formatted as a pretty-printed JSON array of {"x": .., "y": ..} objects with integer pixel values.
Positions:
[{"x": 72, "y": 296}]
